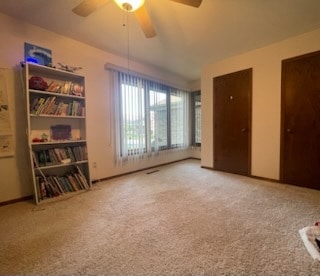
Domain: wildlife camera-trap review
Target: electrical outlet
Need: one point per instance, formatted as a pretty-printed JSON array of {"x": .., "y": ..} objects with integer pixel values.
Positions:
[{"x": 94, "y": 165}]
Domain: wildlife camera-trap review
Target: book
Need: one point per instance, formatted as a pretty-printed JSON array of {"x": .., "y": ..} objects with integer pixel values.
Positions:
[
  {"x": 65, "y": 185},
  {"x": 48, "y": 106},
  {"x": 54, "y": 180},
  {"x": 84, "y": 179},
  {"x": 72, "y": 182},
  {"x": 53, "y": 87},
  {"x": 41, "y": 158},
  {"x": 42, "y": 188},
  {"x": 43, "y": 105},
  {"x": 36, "y": 105},
  {"x": 35, "y": 159},
  {"x": 53, "y": 156}
]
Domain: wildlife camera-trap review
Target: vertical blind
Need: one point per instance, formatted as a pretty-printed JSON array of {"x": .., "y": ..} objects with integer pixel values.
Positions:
[{"x": 150, "y": 117}]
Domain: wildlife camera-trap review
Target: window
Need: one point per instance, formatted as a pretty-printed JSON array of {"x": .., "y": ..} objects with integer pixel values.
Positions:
[
  {"x": 158, "y": 119},
  {"x": 152, "y": 117},
  {"x": 196, "y": 118},
  {"x": 133, "y": 119}
]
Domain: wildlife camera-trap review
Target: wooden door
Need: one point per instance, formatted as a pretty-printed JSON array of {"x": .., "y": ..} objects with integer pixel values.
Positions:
[
  {"x": 232, "y": 122},
  {"x": 300, "y": 125}
]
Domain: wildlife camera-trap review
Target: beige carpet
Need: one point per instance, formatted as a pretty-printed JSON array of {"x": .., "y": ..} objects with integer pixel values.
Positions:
[{"x": 181, "y": 220}]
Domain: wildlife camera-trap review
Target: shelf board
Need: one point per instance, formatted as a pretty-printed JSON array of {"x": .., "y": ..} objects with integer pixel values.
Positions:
[
  {"x": 60, "y": 165},
  {"x": 48, "y": 93},
  {"x": 61, "y": 196},
  {"x": 41, "y": 69},
  {"x": 55, "y": 116},
  {"x": 58, "y": 142}
]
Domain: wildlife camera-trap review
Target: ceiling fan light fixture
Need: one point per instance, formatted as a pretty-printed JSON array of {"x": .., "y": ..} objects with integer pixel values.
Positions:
[{"x": 129, "y": 5}]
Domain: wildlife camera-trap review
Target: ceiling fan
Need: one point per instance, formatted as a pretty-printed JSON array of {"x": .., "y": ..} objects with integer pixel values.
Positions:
[{"x": 86, "y": 7}]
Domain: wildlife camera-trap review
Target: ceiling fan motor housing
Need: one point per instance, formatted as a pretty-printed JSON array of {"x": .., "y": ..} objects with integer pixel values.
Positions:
[
  {"x": 127, "y": 6},
  {"x": 130, "y": 5}
]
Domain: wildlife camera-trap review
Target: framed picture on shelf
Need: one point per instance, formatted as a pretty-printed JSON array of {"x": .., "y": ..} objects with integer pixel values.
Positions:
[{"x": 37, "y": 54}]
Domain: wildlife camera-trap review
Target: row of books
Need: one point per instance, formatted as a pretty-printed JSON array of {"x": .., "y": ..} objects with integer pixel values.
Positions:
[
  {"x": 53, "y": 185},
  {"x": 52, "y": 106},
  {"x": 61, "y": 155},
  {"x": 67, "y": 88}
]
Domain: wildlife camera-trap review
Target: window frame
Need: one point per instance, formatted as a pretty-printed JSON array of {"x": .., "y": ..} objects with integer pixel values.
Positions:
[
  {"x": 148, "y": 87},
  {"x": 194, "y": 96}
]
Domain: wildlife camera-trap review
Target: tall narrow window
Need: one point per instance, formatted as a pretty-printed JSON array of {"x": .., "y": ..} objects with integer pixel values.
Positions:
[
  {"x": 133, "y": 118},
  {"x": 178, "y": 112},
  {"x": 158, "y": 119},
  {"x": 196, "y": 118}
]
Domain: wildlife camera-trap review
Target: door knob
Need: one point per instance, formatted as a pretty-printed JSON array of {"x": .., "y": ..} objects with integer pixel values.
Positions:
[{"x": 244, "y": 129}]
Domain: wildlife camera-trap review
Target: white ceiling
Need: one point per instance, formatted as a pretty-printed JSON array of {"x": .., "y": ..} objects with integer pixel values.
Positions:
[{"x": 187, "y": 37}]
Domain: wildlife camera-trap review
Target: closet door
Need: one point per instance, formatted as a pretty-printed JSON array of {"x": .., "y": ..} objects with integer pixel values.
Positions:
[
  {"x": 232, "y": 122},
  {"x": 300, "y": 126}
]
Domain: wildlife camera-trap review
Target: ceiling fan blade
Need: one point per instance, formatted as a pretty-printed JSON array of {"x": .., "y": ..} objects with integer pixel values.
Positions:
[
  {"x": 88, "y": 6},
  {"x": 193, "y": 3},
  {"x": 145, "y": 22}
]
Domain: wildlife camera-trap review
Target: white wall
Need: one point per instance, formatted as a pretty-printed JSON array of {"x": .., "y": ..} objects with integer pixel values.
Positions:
[
  {"x": 14, "y": 171},
  {"x": 266, "y": 99}
]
